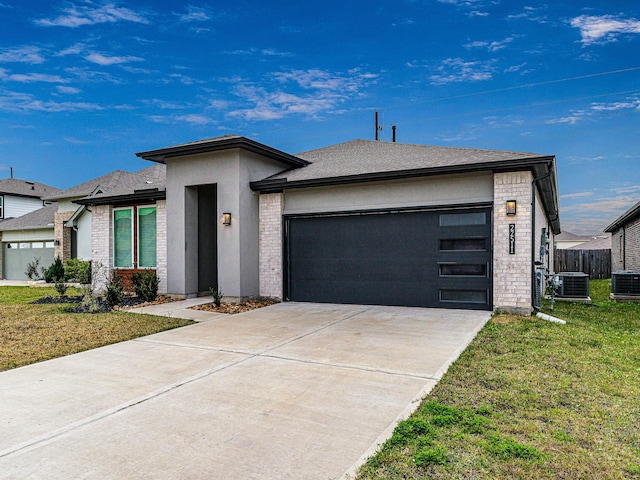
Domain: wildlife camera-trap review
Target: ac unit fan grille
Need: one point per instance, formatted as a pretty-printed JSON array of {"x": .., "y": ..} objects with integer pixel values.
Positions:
[
  {"x": 625, "y": 283},
  {"x": 574, "y": 285}
]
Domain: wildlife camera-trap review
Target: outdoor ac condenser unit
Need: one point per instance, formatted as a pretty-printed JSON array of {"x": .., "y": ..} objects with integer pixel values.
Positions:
[
  {"x": 573, "y": 285},
  {"x": 625, "y": 283}
]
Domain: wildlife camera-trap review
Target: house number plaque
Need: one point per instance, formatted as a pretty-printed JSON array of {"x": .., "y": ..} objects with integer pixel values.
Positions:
[{"x": 512, "y": 238}]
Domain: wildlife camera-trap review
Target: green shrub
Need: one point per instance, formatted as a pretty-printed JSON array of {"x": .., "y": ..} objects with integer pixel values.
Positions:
[
  {"x": 145, "y": 284},
  {"x": 55, "y": 271},
  {"x": 113, "y": 293},
  {"x": 217, "y": 295},
  {"x": 77, "y": 270}
]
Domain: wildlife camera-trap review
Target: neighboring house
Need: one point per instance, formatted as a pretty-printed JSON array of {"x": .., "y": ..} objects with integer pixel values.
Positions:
[
  {"x": 73, "y": 221},
  {"x": 27, "y": 239},
  {"x": 19, "y": 198},
  {"x": 570, "y": 240},
  {"x": 597, "y": 242},
  {"x": 361, "y": 222},
  {"x": 625, "y": 240}
]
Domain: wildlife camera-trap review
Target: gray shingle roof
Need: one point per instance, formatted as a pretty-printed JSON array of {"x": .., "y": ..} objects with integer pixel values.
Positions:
[
  {"x": 149, "y": 183},
  {"x": 601, "y": 242},
  {"x": 41, "y": 218},
  {"x": 362, "y": 157},
  {"x": 626, "y": 217},
  {"x": 117, "y": 183},
  {"x": 25, "y": 188}
]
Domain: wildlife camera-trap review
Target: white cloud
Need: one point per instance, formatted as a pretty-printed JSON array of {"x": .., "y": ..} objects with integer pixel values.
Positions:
[
  {"x": 25, "y": 54},
  {"x": 534, "y": 14},
  {"x": 322, "y": 92},
  {"x": 630, "y": 103},
  {"x": 576, "y": 195},
  {"x": 490, "y": 46},
  {"x": 194, "y": 14},
  {"x": 88, "y": 14},
  {"x": 30, "y": 77},
  {"x": 22, "y": 102},
  {"x": 604, "y": 28},
  {"x": 575, "y": 117},
  {"x": 67, "y": 90},
  {"x": 192, "y": 119},
  {"x": 105, "y": 60},
  {"x": 454, "y": 70}
]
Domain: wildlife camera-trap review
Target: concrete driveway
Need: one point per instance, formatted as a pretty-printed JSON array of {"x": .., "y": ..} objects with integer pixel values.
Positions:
[{"x": 291, "y": 391}]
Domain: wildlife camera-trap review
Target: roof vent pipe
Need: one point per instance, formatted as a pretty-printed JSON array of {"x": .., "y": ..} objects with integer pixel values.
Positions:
[
  {"x": 11, "y": 171},
  {"x": 393, "y": 129},
  {"x": 378, "y": 127}
]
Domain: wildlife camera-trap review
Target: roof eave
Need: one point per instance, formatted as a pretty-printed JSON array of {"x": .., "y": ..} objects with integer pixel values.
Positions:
[
  {"x": 136, "y": 197},
  {"x": 244, "y": 143},
  {"x": 624, "y": 218},
  {"x": 543, "y": 169}
]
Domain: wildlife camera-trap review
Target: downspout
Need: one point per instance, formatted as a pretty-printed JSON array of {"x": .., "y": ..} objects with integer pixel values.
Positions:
[{"x": 533, "y": 232}]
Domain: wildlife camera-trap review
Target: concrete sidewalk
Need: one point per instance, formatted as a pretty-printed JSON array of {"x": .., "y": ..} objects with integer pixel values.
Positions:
[
  {"x": 290, "y": 391},
  {"x": 181, "y": 309}
]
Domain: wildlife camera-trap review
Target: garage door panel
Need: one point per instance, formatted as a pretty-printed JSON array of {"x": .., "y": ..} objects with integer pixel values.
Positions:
[
  {"x": 16, "y": 256},
  {"x": 391, "y": 258}
]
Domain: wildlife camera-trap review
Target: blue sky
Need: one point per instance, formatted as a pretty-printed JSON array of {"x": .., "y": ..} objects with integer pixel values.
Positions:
[{"x": 86, "y": 84}]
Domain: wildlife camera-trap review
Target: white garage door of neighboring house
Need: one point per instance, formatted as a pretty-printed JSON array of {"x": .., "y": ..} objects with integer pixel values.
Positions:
[{"x": 16, "y": 256}]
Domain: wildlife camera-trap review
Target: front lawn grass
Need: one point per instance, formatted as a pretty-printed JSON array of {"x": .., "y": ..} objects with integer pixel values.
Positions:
[
  {"x": 33, "y": 333},
  {"x": 531, "y": 399}
]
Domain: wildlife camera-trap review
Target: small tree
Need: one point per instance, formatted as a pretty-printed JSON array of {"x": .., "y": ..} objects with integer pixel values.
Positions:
[
  {"x": 33, "y": 271},
  {"x": 217, "y": 295}
]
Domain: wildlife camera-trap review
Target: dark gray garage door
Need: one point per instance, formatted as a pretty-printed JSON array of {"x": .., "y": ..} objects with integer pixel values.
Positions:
[
  {"x": 16, "y": 256},
  {"x": 426, "y": 258}
]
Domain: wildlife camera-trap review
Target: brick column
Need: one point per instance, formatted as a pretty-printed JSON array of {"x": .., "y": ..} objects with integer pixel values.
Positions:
[
  {"x": 161, "y": 244},
  {"x": 270, "y": 244},
  {"x": 1, "y": 251},
  {"x": 512, "y": 286},
  {"x": 101, "y": 246},
  {"x": 61, "y": 235}
]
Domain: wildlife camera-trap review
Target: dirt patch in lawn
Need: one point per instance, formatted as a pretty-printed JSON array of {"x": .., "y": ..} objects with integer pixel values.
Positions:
[{"x": 231, "y": 308}]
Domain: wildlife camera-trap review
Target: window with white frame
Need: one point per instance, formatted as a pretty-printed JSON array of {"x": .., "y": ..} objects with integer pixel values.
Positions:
[{"x": 134, "y": 237}]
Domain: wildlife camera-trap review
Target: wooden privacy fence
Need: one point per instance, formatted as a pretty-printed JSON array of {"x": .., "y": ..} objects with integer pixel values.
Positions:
[{"x": 595, "y": 263}]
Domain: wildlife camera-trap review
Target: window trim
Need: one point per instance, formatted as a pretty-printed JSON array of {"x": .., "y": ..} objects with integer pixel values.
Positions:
[
  {"x": 135, "y": 243},
  {"x": 1, "y": 206},
  {"x": 137, "y": 235}
]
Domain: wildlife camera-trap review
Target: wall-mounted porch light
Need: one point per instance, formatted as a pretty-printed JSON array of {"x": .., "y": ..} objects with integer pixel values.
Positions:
[
  {"x": 226, "y": 219},
  {"x": 56, "y": 243},
  {"x": 511, "y": 207}
]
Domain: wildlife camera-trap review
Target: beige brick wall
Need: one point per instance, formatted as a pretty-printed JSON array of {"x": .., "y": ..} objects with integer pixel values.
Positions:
[
  {"x": 101, "y": 245},
  {"x": 161, "y": 244},
  {"x": 270, "y": 245},
  {"x": 512, "y": 286},
  {"x": 62, "y": 235},
  {"x": 1, "y": 264}
]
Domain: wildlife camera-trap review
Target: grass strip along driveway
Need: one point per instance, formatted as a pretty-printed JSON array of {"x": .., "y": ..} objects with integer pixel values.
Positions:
[
  {"x": 33, "y": 333},
  {"x": 531, "y": 399}
]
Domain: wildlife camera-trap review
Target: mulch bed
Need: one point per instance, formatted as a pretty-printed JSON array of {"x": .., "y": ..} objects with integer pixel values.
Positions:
[
  {"x": 127, "y": 302},
  {"x": 231, "y": 308}
]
